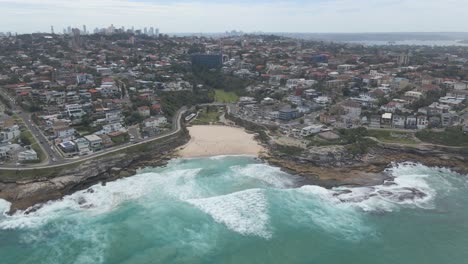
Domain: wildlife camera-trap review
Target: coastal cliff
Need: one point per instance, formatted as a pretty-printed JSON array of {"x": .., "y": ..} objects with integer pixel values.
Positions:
[
  {"x": 332, "y": 166},
  {"x": 42, "y": 185},
  {"x": 360, "y": 164}
]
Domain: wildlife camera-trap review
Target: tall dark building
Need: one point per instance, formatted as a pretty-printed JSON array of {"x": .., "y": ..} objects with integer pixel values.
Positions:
[
  {"x": 76, "y": 40},
  {"x": 211, "y": 61}
]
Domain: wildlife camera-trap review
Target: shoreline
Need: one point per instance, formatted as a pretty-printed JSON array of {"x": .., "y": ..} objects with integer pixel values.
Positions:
[
  {"x": 217, "y": 140},
  {"x": 362, "y": 171}
]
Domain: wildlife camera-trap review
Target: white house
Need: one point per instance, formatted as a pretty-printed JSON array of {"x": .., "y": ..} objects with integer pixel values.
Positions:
[
  {"x": 460, "y": 86},
  {"x": 27, "y": 155},
  {"x": 74, "y": 110},
  {"x": 114, "y": 127},
  {"x": 10, "y": 133},
  {"x": 155, "y": 121},
  {"x": 414, "y": 94},
  {"x": 422, "y": 122},
  {"x": 65, "y": 132},
  {"x": 310, "y": 130},
  {"x": 94, "y": 141}
]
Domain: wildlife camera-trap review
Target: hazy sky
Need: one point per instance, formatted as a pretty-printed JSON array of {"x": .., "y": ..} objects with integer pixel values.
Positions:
[{"x": 247, "y": 15}]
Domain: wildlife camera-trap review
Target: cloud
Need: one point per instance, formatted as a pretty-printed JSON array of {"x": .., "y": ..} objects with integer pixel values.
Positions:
[{"x": 221, "y": 15}]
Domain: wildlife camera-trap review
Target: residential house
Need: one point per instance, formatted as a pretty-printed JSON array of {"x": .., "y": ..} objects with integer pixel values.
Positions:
[
  {"x": 414, "y": 94},
  {"x": 287, "y": 114},
  {"x": 155, "y": 121},
  {"x": 399, "y": 121},
  {"x": 460, "y": 86},
  {"x": 374, "y": 121},
  {"x": 82, "y": 145},
  {"x": 144, "y": 111},
  {"x": 106, "y": 141},
  {"x": 95, "y": 142},
  {"x": 27, "y": 155},
  {"x": 10, "y": 133},
  {"x": 64, "y": 132},
  {"x": 9, "y": 152},
  {"x": 351, "y": 108},
  {"x": 386, "y": 120},
  {"x": 68, "y": 148},
  {"x": 74, "y": 110},
  {"x": 310, "y": 130},
  {"x": 411, "y": 122},
  {"x": 449, "y": 119},
  {"x": 434, "y": 121},
  {"x": 106, "y": 129}
]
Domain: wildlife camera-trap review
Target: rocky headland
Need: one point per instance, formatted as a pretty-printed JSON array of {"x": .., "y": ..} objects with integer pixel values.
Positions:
[{"x": 26, "y": 192}]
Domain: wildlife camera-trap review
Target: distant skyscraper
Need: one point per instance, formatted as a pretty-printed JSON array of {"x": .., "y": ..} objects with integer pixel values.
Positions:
[
  {"x": 84, "y": 30},
  {"x": 156, "y": 32},
  {"x": 145, "y": 31},
  {"x": 76, "y": 40},
  {"x": 151, "y": 31},
  {"x": 403, "y": 59},
  {"x": 52, "y": 30},
  {"x": 211, "y": 61}
]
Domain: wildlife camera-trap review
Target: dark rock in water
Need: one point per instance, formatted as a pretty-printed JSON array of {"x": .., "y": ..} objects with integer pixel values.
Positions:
[
  {"x": 81, "y": 200},
  {"x": 340, "y": 192},
  {"x": 389, "y": 183},
  {"x": 33, "y": 209},
  {"x": 412, "y": 195},
  {"x": 384, "y": 193},
  {"x": 90, "y": 190}
]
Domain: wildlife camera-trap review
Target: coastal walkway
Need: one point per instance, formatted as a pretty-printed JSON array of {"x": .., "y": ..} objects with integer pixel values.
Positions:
[{"x": 176, "y": 127}]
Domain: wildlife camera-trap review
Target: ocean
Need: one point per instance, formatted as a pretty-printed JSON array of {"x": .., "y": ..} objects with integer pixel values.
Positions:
[{"x": 236, "y": 209}]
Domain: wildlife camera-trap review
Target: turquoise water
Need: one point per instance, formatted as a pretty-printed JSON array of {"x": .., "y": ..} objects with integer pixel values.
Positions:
[{"x": 238, "y": 210}]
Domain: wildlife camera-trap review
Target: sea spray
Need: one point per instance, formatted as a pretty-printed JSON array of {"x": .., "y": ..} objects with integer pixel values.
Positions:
[{"x": 241, "y": 210}]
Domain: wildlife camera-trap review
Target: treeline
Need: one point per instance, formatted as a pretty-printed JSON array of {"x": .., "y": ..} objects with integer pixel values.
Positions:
[
  {"x": 173, "y": 101},
  {"x": 217, "y": 80}
]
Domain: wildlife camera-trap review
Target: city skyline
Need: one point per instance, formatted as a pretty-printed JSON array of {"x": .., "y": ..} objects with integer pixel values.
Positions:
[{"x": 319, "y": 16}]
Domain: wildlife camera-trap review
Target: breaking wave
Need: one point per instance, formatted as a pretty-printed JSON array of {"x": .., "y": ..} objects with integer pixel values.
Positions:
[
  {"x": 210, "y": 190},
  {"x": 245, "y": 212}
]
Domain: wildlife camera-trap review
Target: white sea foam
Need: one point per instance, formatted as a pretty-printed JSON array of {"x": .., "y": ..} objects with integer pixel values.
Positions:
[
  {"x": 220, "y": 157},
  {"x": 318, "y": 207},
  {"x": 339, "y": 210},
  {"x": 102, "y": 199},
  {"x": 272, "y": 176},
  {"x": 244, "y": 212},
  {"x": 408, "y": 188},
  {"x": 4, "y": 207}
]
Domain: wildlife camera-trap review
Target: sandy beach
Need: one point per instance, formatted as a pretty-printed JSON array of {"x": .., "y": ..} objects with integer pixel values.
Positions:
[{"x": 219, "y": 140}]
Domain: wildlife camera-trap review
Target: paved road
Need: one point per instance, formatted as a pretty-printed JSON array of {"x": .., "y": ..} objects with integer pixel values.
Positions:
[
  {"x": 51, "y": 154},
  {"x": 176, "y": 126}
]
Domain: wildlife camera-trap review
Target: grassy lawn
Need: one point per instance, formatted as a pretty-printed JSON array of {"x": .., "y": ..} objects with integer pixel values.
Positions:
[
  {"x": 392, "y": 136},
  {"x": 315, "y": 140},
  {"x": 121, "y": 138},
  {"x": 225, "y": 97},
  {"x": 452, "y": 136},
  {"x": 34, "y": 145},
  {"x": 205, "y": 118}
]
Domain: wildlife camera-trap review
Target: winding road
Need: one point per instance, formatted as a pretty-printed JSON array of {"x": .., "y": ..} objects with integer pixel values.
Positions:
[{"x": 176, "y": 126}]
